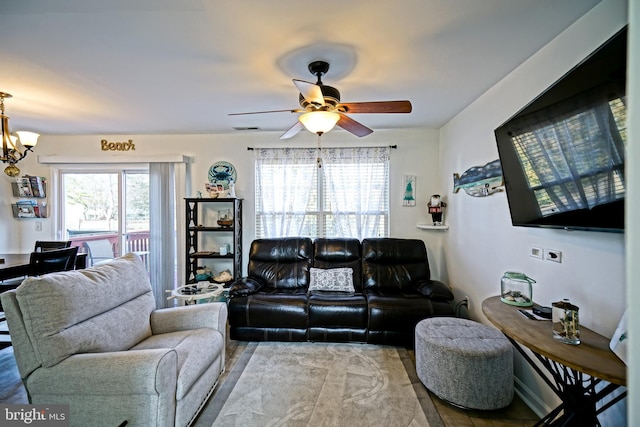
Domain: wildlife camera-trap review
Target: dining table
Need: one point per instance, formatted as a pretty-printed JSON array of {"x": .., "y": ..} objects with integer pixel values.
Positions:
[{"x": 17, "y": 265}]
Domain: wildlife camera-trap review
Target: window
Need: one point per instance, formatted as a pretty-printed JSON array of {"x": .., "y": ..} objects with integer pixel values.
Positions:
[
  {"x": 348, "y": 196},
  {"x": 110, "y": 204}
]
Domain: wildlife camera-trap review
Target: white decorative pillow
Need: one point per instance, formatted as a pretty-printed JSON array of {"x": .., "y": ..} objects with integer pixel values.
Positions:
[{"x": 334, "y": 279}]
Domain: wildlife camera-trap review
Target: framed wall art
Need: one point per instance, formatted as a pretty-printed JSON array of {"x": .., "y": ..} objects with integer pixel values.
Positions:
[{"x": 409, "y": 187}]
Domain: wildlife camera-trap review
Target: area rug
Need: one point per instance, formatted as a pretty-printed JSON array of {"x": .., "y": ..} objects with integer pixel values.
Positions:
[{"x": 322, "y": 384}]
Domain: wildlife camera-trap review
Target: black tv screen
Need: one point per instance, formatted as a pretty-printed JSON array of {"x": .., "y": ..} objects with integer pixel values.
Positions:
[{"x": 563, "y": 155}]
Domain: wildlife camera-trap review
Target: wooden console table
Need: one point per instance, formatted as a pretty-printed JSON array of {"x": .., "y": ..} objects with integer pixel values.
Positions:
[{"x": 576, "y": 370}]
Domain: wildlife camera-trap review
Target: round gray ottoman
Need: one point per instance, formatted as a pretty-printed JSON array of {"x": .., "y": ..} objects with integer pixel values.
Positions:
[{"x": 465, "y": 363}]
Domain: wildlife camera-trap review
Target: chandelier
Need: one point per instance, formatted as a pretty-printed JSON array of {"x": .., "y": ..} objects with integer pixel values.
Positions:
[{"x": 11, "y": 152}]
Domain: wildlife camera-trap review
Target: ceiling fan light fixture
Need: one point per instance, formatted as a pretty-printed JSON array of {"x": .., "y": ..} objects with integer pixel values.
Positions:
[{"x": 319, "y": 121}]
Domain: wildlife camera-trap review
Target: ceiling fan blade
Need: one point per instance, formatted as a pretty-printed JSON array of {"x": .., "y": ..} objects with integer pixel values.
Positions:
[
  {"x": 268, "y": 111},
  {"x": 292, "y": 131},
  {"x": 311, "y": 91},
  {"x": 356, "y": 128},
  {"x": 375, "y": 107}
]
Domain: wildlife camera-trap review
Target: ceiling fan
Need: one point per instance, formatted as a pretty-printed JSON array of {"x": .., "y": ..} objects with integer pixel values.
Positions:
[{"x": 322, "y": 109}]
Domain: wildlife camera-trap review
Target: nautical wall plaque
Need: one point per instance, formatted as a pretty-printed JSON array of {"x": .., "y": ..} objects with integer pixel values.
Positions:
[{"x": 480, "y": 181}]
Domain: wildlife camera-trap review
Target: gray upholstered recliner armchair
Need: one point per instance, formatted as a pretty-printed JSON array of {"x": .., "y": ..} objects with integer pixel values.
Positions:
[{"x": 92, "y": 339}]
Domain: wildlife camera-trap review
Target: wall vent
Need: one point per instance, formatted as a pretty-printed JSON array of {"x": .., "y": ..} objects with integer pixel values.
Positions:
[{"x": 246, "y": 128}]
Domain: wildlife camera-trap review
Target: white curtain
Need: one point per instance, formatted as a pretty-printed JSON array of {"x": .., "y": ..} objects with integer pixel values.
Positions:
[
  {"x": 162, "y": 233},
  {"x": 357, "y": 191},
  {"x": 347, "y": 197},
  {"x": 286, "y": 183}
]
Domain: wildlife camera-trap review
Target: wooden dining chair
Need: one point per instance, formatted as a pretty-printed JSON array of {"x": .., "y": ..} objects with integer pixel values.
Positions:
[
  {"x": 52, "y": 261},
  {"x": 48, "y": 245}
]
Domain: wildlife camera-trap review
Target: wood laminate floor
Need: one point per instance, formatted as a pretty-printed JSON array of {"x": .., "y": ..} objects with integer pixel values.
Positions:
[{"x": 515, "y": 415}]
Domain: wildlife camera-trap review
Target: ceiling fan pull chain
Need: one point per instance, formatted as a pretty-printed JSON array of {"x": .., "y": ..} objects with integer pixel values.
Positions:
[{"x": 319, "y": 159}]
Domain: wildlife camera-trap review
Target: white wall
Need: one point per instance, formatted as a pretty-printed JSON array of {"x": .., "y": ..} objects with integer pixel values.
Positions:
[
  {"x": 633, "y": 211},
  {"x": 482, "y": 244},
  {"x": 417, "y": 154}
]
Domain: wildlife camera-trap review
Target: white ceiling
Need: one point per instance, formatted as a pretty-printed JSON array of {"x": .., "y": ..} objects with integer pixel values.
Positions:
[{"x": 180, "y": 66}]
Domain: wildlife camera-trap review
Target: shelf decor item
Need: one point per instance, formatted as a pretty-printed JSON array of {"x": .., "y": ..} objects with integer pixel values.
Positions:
[
  {"x": 222, "y": 173},
  {"x": 566, "y": 324},
  {"x": 203, "y": 273},
  {"x": 225, "y": 219},
  {"x": 436, "y": 206},
  {"x": 516, "y": 289}
]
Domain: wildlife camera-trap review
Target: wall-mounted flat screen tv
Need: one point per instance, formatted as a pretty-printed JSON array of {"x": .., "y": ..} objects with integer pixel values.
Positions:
[{"x": 563, "y": 155}]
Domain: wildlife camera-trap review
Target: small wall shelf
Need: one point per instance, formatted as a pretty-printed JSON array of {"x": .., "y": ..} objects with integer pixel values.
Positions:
[
  {"x": 32, "y": 192},
  {"x": 433, "y": 227}
]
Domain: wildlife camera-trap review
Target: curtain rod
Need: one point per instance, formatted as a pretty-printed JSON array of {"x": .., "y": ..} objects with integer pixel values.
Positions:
[{"x": 391, "y": 146}]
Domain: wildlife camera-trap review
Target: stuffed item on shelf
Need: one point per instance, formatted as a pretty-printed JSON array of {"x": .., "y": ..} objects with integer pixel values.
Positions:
[{"x": 435, "y": 206}]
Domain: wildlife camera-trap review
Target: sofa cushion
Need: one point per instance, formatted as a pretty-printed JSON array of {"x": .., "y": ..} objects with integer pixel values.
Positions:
[
  {"x": 271, "y": 308},
  {"x": 394, "y": 310},
  {"x": 394, "y": 263},
  {"x": 281, "y": 263},
  {"x": 337, "y": 310},
  {"x": 99, "y": 309},
  {"x": 339, "y": 253},
  {"x": 197, "y": 349},
  {"x": 334, "y": 279}
]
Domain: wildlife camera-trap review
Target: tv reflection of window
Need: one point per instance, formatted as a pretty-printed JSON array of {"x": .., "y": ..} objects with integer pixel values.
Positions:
[{"x": 574, "y": 158}]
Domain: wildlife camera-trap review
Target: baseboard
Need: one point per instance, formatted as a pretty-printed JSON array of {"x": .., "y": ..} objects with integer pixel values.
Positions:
[{"x": 531, "y": 399}]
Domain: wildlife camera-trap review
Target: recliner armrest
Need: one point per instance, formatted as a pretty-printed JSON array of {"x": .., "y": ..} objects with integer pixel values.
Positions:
[
  {"x": 434, "y": 289},
  {"x": 244, "y": 286},
  {"x": 210, "y": 315},
  {"x": 122, "y": 372}
]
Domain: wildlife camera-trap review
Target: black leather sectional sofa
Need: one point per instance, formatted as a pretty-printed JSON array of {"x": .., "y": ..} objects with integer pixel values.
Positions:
[{"x": 393, "y": 291}]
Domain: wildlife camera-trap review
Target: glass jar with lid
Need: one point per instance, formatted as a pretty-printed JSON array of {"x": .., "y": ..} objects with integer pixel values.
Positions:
[
  {"x": 566, "y": 326},
  {"x": 516, "y": 289}
]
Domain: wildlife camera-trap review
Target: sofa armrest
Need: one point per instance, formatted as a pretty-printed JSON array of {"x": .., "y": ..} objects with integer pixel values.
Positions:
[
  {"x": 210, "y": 315},
  {"x": 244, "y": 286},
  {"x": 434, "y": 289},
  {"x": 114, "y": 373}
]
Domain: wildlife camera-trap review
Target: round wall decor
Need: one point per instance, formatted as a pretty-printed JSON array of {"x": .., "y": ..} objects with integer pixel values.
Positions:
[{"x": 222, "y": 173}]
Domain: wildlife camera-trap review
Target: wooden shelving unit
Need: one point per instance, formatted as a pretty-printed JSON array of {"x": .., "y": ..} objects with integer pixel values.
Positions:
[{"x": 205, "y": 237}]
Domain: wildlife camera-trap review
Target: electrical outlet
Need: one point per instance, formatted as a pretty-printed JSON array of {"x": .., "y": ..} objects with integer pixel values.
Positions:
[
  {"x": 38, "y": 225},
  {"x": 536, "y": 252},
  {"x": 553, "y": 255}
]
